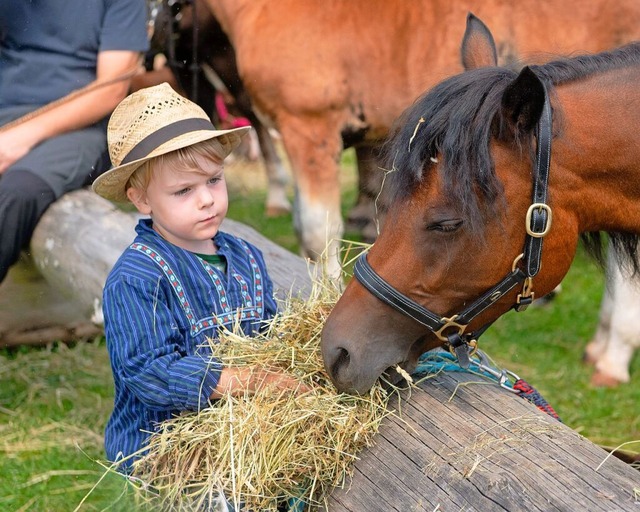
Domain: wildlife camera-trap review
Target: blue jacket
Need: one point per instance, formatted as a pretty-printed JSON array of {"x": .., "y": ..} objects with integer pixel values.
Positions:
[{"x": 160, "y": 305}]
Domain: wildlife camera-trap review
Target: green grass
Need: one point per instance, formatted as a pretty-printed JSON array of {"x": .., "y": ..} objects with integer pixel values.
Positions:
[{"x": 54, "y": 403}]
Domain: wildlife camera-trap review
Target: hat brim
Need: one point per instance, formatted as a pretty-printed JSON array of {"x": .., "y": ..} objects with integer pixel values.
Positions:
[{"x": 111, "y": 184}]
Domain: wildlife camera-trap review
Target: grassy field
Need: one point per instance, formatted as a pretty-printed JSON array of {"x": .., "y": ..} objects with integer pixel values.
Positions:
[{"x": 54, "y": 402}]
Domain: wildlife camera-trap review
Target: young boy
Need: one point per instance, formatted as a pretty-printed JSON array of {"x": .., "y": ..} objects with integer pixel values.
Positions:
[{"x": 181, "y": 279}]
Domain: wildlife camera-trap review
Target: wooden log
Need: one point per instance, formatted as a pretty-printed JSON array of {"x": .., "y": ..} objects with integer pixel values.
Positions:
[
  {"x": 32, "y": 311},
  {"x": 461, "y": 443},
  {"x": 74, "y": 247}
]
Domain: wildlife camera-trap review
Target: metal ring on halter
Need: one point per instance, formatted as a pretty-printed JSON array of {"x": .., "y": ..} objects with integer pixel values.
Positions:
[
  {"x": 473, "y": 348},
  {"x": 449, "y": 322},
  {"x": 515, "y": 262}
]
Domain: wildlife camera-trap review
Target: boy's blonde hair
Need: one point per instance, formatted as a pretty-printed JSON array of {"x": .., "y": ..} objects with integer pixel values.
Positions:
[{"x": 182, "y": 158}]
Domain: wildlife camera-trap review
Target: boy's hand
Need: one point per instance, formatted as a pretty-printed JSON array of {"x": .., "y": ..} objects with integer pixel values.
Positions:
[
  {"x": 239, "y": 381},
  {"x": 280, "y": 381}
]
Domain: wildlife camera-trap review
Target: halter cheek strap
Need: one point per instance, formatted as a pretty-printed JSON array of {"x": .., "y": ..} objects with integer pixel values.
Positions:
[{"x": 538, "y": 222}]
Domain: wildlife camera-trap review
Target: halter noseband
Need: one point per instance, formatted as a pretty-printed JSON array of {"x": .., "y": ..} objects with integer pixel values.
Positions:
[{"x": 538, "y": 222}]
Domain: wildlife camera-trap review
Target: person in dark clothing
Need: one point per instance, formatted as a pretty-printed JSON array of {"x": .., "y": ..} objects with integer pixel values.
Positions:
[{"x": 53, "y": 139}]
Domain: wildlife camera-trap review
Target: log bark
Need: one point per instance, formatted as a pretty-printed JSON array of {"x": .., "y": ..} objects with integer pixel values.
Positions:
[
  {"x": 461, "y": 443},
  {"x": 74, "y": 247}
]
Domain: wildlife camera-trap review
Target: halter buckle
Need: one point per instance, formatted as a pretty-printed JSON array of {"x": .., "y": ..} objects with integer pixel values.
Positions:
[
  {"x": 538, "y": 206},
  {"x": 525, "y": 298}
]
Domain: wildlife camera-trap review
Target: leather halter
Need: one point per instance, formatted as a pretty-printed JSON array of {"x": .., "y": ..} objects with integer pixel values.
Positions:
[{"x": 538, "y": 222}]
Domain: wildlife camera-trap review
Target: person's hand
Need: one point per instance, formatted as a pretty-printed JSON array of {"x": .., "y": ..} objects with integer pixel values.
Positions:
[
  {"x": 279, "y": 380},
  {"x": 13, "y": 146},
  {"x": 239, "y": 381}
]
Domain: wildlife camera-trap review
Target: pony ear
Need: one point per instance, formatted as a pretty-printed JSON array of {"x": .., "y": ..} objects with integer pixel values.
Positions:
[
  {"x": 522, "y": 101},
  {"x": 478, "y": 47}
]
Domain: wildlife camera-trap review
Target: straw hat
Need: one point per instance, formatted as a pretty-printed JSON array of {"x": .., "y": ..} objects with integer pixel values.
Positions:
[{"x": 149, "y": 123}]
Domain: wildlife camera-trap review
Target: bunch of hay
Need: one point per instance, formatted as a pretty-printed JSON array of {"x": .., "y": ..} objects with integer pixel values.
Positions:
[{"x": 260, "y": 450}]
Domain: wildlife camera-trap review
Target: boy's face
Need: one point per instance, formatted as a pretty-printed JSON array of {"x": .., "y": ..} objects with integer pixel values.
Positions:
[{"x": 187, "y": 205}]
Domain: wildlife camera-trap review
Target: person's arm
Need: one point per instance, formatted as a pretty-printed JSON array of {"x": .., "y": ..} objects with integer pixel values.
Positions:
[
  {"x": 148, "y": 354},
  {"x": 79, "y": 112}
]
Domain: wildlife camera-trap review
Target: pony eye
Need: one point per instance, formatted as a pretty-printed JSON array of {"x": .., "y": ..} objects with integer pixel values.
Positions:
[{"x": 445, "y": 226}]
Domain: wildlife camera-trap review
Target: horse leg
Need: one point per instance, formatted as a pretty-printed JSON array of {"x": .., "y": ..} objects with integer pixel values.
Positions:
[
  {"x": 612, "y": 364},
  {"x": 598, "y": 344},
  {"x": 365, "y": 217},
  {"x": 277, "y": 176},
  {"x": 314, "y": 147}
]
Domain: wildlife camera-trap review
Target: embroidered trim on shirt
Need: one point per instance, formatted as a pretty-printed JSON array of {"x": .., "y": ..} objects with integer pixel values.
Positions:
[
  {"x": 169, "y": 273},
  {"x": 230, "y": 315},
  {"x": 257, "y": 281}
]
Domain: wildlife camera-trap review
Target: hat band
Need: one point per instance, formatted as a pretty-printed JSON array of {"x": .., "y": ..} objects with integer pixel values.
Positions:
[{"x": 165, "y": 134}]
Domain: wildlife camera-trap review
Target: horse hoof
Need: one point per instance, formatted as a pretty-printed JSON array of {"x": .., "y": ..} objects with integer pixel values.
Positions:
[{"x": 602, "y": 380}]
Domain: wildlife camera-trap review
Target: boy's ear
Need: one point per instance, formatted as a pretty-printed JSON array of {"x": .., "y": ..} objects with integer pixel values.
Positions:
[{"x": 139, "y": 200}]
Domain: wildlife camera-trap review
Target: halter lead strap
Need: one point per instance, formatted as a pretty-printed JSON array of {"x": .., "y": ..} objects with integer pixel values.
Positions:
[{"x": 538, "y": 222}]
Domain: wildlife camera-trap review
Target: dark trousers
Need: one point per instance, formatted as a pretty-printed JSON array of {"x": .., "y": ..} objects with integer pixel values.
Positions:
[{"x": 24, "y": 197}]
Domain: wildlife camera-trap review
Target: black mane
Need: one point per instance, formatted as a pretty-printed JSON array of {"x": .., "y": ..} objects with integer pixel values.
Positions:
[
  {"x": 569, "y": 69},
  {"x": 455, "y": 122}
]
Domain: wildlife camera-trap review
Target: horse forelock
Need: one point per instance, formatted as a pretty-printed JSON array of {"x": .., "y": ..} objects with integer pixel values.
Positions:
[{"x": 452, "y": 125}]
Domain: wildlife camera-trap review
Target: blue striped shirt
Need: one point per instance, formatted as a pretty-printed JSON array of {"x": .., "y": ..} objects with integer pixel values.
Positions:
[{"x": 160, "y": 305}]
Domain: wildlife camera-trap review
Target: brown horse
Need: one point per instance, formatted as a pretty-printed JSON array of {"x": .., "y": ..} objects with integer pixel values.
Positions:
[
  {"x": 339, "y": 73},
  {"x": 496, "y": 175}
]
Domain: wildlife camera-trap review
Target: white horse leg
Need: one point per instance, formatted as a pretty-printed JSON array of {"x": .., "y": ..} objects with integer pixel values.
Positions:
[
  {"x": 612, "y": 363},
  {"x": 598, "y": 344},
  {"x": 612, "y": 366}
]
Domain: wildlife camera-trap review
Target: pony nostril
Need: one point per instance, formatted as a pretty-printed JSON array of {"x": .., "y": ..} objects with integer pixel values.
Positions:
[{"x": 342, "y": 360}]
